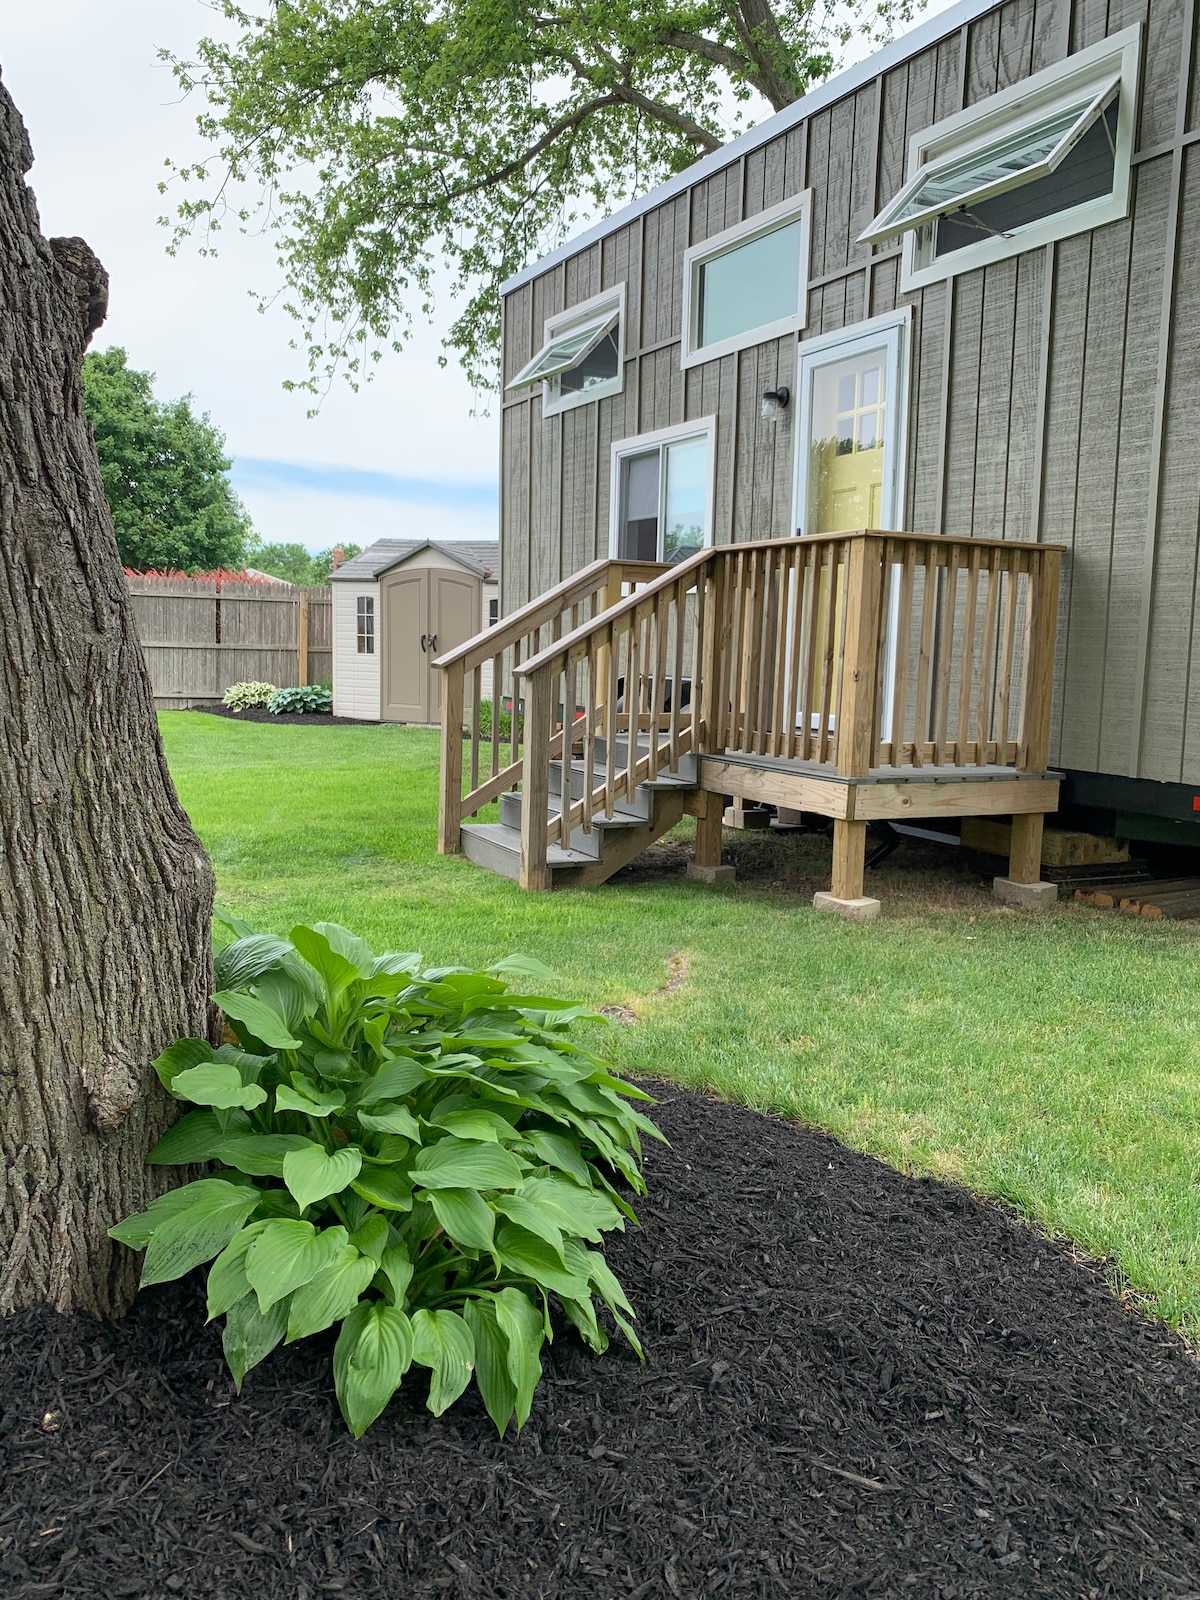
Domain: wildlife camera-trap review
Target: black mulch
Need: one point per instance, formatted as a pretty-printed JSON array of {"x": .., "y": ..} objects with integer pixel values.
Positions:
[
  {"x": 316, "y": 719},
  {"x": 857, "y": 1384}
]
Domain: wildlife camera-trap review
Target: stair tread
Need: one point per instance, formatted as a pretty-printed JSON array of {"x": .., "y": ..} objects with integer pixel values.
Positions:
[{"x": 499, "y": 833}]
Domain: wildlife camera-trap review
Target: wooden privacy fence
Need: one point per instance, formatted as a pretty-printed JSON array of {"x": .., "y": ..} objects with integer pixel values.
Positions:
[{"x": 200, "y": 635}]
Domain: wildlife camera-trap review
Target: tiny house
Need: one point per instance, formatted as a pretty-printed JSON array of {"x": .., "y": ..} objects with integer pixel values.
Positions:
[
  {"x": 835, "y": 404},
  {"x": 395, "y": 607}
]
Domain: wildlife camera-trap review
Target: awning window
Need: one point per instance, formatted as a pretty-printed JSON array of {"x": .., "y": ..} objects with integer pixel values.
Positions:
[
  {"x": 566, "y": 349},
  {"x": 958, "y": 181}
]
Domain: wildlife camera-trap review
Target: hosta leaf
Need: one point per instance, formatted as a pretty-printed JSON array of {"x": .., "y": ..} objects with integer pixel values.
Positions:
[
  {"x": 177, "y": 1058},
  {"x": 583, "y": 1212},
  {"x": 372, "y": 1238},
  {"x": 259, "y": 1021},
  {"x": 533, "y": 1258},
  {"x": 473, "y": 1122},
  {"x": 199, "y": 1232},
  {"x": 306, "y": 1097},
  {"x": 465, "y": 1215},
  {"x": 521, "y": 1323},
  {"x": 397, "y": 1268},
  {"x": 583, "y": 1314},
  {"x": 407, "y": 961},
  {"x": 331, "y": 1295},
  {"x": 337, "y": 972},
  {"x": 392, "y": 1119},
  {"x": 531, "y": 1216},
  {"x": 219, "y": 1084},
  {"x": 556, "y": 1150},
  {"x": 197, "y": 1136},
  {"x": 355, "y": 950},
  {"x": 239, "y": 963},
  {"x": 227, "y": 1275},
  {"x": 138, "y": 1230},
  {"x": 313, "y": 1174},
  {"x": 373, "y": 1352},
  {"x": 607, "y": 1285},
  {"x": 395, "y": 1078},
  {"x": 260, "y": 1154},
  {"x": 522, "y": 967},
  {"x": 442, "y": 1342},
  {"x": 384, "y": 1187},
  {"x": 276, "y": 1203},
  {"x": 250, "y": 1335},
  {"x": 491, "y": 1362},
  {"x": 287, "y": 1254},
  {"x": 454, "y": 1164}
]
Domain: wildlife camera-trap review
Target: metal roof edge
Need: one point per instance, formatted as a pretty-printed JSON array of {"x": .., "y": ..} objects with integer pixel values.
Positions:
[{"x": 908, "y": 44}]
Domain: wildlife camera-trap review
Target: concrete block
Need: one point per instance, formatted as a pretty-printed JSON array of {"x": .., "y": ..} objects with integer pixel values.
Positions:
[
  {"x": 1025, "y": 896},
  {"x": 863, "y": 909},
  {"x": 747, "y": 817},
  {"x": 711, "y": 874}
]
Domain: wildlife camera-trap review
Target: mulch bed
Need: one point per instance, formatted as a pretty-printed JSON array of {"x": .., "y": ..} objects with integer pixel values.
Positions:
[
  {"x": 857, "y": 1384},
  {"x": 317, "y": 719}
]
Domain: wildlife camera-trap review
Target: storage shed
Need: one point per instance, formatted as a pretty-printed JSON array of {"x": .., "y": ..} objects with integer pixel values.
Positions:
[{"x": 395, "y": 607}]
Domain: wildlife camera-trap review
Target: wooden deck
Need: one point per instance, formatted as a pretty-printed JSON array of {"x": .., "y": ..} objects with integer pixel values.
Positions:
[{"x": 864, "y": 677}]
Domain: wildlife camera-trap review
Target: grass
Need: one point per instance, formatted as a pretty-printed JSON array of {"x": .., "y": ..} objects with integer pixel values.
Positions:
[{"x": 1047, "y": 1061}]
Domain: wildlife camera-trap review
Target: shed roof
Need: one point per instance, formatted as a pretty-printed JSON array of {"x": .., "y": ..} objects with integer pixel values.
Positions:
[
  {"x": 836, "y": 88},
  {"x": 480, "y": 556}
]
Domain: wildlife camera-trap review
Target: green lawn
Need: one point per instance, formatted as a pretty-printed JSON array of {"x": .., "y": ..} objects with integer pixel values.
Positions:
[{"x": 1050, "y": 1061}]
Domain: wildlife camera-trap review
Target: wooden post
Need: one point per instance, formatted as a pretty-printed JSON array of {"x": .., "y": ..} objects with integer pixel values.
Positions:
[
  {"x": 1025, "y": 848},
  {"x": 849, "y": 860},
  {"x": 451, "y": 771},
  {"x": 707, "y": 865},
  {"x": 302, "y": 637},
  {"x": 535, "y": 780}
]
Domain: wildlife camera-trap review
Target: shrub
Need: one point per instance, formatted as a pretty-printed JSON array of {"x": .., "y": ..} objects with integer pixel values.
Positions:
[
  {"x": 245, "y": 696},
  {"x": 422, "y": 1157},
  {"x": 311, "y": 697}
]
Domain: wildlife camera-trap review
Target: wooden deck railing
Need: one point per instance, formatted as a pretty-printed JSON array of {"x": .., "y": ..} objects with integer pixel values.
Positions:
[
  {"x": 495, "y": 762},
  {"x": 845, "y": 652}
]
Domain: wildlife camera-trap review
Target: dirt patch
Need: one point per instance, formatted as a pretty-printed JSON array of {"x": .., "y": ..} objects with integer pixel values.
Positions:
[
  {"x": 856, "y": 1384},
  {"x": 678, "y": 971}
]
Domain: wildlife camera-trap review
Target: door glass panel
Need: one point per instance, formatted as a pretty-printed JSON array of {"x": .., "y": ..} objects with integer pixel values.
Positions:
[
  {"x": 638, "y": 534},
  {"x": 750, "y": 286},
  {"x": 686, "y": 498},
  {"x": 846, "y": 444}
]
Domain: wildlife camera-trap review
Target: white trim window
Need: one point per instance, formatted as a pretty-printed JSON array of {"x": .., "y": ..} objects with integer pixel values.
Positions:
[
  {"x": 662, "y": 493},
  {"x": 582, "y": 356},
  {"x": 365, "y": 625},
  {"x": 747, "y": 284},
  {"x": 1044, "y": 159},
  {"x": 852, "y": 426}
]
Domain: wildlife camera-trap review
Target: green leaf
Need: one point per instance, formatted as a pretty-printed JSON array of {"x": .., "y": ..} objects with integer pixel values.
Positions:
[
  {"x": 250, "y": 1335},
  {"x": 307, "y": 1098},
  {"x": 199, "y": 1232},
  {"x": 556, "y": 1150},
  {"x": 276, "y": 1203},
  {"x": 582, "y": 1212},
  {"x": 583, "y": 1314},
  {"x": 335, "y": 970},
  {"x": 348, "y": 945},
  {"x": 331, "y": 1294},
  {"x": 397, "y": 1268},
  {"x": 383, "y": 1187},
  {"x": 137, "y": 1230},
  {"x": 442, "y": 1342},
  {"x": 466, "y": 1217},
  {"x": 178, "y": 1057},
  {"x": 592, "y": 1263},
  {"x": 527, "y": 1214},
  {"x": 260, "y": 1154},
  {"x": 219, "y": 1084},
  {"x": 373, "y": 1352},
  {"x": 261, "y": 1022},
  {"x": 197, "y": 1136},
  {"x": 311, "y": 1174},
  {"x": 392, "y": 1119},
  {"x": 523, "y": 967},
  {"x": 372, "y": 1238},
  {"x": 395, "y": 1078},
  {"x": 521, "y": 1323},
  {"x": 239, "y": 963},
  {"x": 491, "y": 1362},
  {"x": 455, "y": 1164},
  {"x": 227, "y": 1275},
  {"x": 533, "y": 1258},
  {"x": 287, "y": 1254},
  {"x": 473, "y": 1122}
]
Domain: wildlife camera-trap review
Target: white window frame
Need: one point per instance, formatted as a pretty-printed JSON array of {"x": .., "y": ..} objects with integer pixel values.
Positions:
[
  {"x": 639, "y": 444},
  {"x": 1013, "y": 109},
  {"x": 699, "y": 255},
  {"x": 553, "y": 399}
]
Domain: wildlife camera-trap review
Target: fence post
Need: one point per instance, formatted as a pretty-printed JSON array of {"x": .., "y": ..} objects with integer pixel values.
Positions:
[
  {"x": 302, "y": 637},
  {"x": 450, "y": 790},
  {"x": 535, "y": 780}
]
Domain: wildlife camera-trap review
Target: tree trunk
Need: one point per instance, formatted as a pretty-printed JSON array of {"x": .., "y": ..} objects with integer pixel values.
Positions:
[{"x": 105, "y": 891}]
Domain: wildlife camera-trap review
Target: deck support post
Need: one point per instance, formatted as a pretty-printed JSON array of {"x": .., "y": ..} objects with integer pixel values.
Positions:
[
  {"x": 1023, "y": 887},
  {"x": 707, "y": 866},
  {"x": 846, "y": 897}
]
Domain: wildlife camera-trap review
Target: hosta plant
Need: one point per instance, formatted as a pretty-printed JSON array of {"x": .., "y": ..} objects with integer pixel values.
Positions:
[
  {"x": 247, "y": 696},
  {"x": 311, "y": 697},
  {"x": 423, "y": 1157}
]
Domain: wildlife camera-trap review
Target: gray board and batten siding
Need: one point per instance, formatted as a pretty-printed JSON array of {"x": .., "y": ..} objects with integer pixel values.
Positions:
[{"x": 1053, "y": 395}]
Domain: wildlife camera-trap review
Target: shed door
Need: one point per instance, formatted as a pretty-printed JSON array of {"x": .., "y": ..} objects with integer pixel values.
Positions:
[
  {"x": 455, "y": 615},
  {"x": 405, "y": 664}
]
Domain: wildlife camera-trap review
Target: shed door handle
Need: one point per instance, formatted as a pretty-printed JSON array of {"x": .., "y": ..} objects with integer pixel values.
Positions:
[
  {"x": 433, "y": 644},
  {"x": 423, "y": 638}
]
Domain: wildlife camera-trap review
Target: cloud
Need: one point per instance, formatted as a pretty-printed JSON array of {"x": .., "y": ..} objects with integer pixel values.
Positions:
[{"x": 264, "y": 476}]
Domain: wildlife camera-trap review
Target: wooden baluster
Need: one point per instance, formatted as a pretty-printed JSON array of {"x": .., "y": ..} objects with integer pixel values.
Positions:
[
  {"x": 632, "y": 703},
  {"x": 900, "y": 673},
  {"x": 567, "y": 766},
  {"x": 984, "y": 748},
  {"x": 590, "y": 674},
  {"x": 812, "y": 650},
  {"x": 658, "y": 624},
  {"x": 829, "y": 649},
  {"x": 966, "y": 671},
  {"x": 518, "y": 722},
  {"x": 611, "y": 720},
  {"x": 946, "y": 651},
  {"x": 450, "y": 796},
  {"x": 497, "y": 708},
  {"x": 755, "y": 642},
  {"x": 783, "y": 568},
  {"x": 857, "y": 703},
  {"x": 1033, "y": 745},
  {"x": 923, "y": 707},
  {"x": 798, "y": 565},
  {"x": 476, "y": 692},
  {"x": 679, "y": 611},
  {"x": 839, "y": 656},
  {"x": 887, "y": 551},
  {"x": 710, "y": 656},
  {"x": 535, "y": 779},
  {"x": 1004, "y": 696}
]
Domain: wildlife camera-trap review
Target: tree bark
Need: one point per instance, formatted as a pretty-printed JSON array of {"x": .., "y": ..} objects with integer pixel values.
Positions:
[{"x": 105, "y": 891}]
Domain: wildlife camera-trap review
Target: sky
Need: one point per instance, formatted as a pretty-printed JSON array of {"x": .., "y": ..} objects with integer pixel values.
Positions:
[{"x": 404, "y": 457}]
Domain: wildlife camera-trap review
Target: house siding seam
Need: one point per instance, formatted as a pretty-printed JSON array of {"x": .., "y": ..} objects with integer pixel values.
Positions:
[{"x": 1041, "y": 403}]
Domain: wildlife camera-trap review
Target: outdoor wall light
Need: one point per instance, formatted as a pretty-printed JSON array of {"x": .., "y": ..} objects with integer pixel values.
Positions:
[{"x": 774, "y": 403}]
